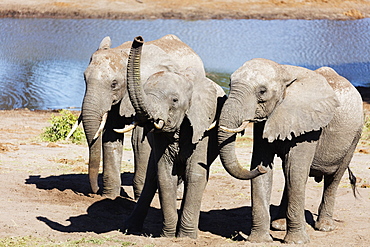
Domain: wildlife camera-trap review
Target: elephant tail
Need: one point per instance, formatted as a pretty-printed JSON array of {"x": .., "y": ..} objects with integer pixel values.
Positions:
[{"x": 353, "y": 180}]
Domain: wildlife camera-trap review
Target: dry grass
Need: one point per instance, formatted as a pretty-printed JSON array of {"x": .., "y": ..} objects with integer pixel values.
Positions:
[{"x": 354, "y": 13}]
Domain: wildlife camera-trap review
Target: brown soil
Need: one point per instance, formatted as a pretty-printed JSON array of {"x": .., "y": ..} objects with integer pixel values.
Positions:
[
  {"x": 45, "y": 193},
  {"x": 188, "y": 9},
  {"x": 45, "y": 196}
]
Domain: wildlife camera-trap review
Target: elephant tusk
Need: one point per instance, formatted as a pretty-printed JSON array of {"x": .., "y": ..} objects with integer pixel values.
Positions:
[
  {"x": 126, "y": 129},
  {"x": 74, "y": 127},
  {"x": 237, "y": 130},
  {"x": 159, "y": 125},
  {"x": 101, "y": 127},
  {"x": 212, "y": 125}
]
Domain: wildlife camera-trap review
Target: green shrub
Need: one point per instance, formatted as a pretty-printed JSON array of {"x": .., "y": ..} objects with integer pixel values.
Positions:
[{"x": 60, "y": 127}]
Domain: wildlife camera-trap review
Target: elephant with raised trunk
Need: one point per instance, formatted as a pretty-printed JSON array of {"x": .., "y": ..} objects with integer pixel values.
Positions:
[
  {"x": 106, "y": 106},
  {"x": 179, "y": 108},
  {"x": 312, "y": 120}
]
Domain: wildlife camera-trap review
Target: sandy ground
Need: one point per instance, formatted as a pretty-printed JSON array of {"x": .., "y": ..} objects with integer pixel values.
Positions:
[
  {"x": 187, "y": 9},
  {"x": 44, "y": 187},
  {"x": 46, "y": 201}
]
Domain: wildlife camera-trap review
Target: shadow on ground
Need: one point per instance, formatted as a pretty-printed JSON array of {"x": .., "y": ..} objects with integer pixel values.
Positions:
[
  {"x": 110, "y": 215},
  {"x": 79, "y": 183},
  {"x": 105, "y": 216}
]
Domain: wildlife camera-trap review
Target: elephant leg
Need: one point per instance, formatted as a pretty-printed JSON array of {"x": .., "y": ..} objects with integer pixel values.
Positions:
[
  {"x": 261, "y": 193},
  {"x": 142, "y": 149},
  {"x": 167, "y": 183},
  {"x": 196, "y": 177},
  {"x": 167, "y": 187},
  {"x": 261, "y": 187},
  {"x": 325, "y": 220},
  {"x": 279, "y": 221},
  {"x": 134, "y": 223},
  {"x": 296, "y": 170},
  {"x": 112, "y": 157}
]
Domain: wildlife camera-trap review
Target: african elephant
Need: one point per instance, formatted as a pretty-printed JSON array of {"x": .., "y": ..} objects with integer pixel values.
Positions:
[
  {"x": 106, "y": 106},
  {"x": 312, "y": 120},
  {"x": 178, "y": 107}
]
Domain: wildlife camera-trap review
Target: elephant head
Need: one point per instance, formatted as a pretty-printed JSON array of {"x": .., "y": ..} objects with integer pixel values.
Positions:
[
  {"x": 167, "y": 97},
  {"x": 105, "y": 79},
  {"x": 291, "y": 100}
]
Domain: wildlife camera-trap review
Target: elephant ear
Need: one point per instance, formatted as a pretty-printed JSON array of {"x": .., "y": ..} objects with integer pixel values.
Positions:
[
  {"x": 106, "y": 43},
  {"x": 202, "y": 111},
  {"x": 126, "y": 109},
  {"x": 309, "y": 104}
]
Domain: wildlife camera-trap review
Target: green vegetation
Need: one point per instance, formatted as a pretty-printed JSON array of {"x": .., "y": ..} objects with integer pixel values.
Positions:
[
  {"x": 19, "y": 241},
  {"x": 88, "y": 241},
  {"x": 61, "y": 125}
]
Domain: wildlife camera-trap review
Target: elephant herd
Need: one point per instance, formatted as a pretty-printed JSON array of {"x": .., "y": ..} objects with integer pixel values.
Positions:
[{"x": 181, "y": 121}]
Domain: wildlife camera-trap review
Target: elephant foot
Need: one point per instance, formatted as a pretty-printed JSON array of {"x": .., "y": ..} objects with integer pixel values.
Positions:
[
  {"x": 279, "y": 225},
  {"x": 259, "y": 237},
  {"x": 192, "y": 235},
  {"x": 111, "y": 193},
  {"x": 325, "y": 225},
  {"x": 298, "y": 237},
  {"x": 166, "y": 234},
  {"x": 137, "y": 196},
  {"x": 137, "y": 191}
]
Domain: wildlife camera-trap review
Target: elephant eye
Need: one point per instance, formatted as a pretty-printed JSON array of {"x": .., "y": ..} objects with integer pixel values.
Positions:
[
  {"x": 175, "y": 100},
  {"x": 262, "y": 91},
  {"x": 261, "y": 94},
  {"x": 114, "y": 85}
]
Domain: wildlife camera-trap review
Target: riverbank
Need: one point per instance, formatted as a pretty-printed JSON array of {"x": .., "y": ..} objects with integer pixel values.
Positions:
[
  {"x": 47, "y": 201},
  {"x": 187, "y": 9}
]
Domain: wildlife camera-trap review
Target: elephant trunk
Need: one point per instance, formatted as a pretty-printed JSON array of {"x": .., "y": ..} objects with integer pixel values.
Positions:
[
  {"x": 226, "y": 141},
  {"x": 230, "y": 161},
  {"x": 134, "y": 86},
  {"x": 92, "y": 113}
]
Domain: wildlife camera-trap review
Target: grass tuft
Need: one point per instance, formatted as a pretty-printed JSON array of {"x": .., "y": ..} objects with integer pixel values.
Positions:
[{"x": 61, "y": 125}]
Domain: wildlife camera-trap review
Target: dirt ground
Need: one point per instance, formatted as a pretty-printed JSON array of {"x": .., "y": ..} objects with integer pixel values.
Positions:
[
  {"x": 44, "y": 187},
  {"x": 45, "y": 197},
  {"x": 187, "y": 9}
]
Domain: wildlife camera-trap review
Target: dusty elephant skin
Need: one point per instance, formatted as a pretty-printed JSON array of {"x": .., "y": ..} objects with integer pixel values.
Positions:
[
  {"x": 312, "y": 120},
  {"x": 177, "y": 107},
  {"x": 106, "y": 106}
]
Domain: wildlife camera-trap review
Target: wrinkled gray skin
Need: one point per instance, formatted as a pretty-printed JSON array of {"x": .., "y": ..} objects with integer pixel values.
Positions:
[
  {"x": 106, "y": 92},
  {"x": 312, "y": 120},
  {"x": 188, "y": 103}
]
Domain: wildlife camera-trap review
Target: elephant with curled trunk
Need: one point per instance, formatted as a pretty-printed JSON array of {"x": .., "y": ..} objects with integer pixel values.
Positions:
[
  {"x": 106, "y": 106},
  {"x": 177, "y": 109},
  {"x": 312, "y": 120}
]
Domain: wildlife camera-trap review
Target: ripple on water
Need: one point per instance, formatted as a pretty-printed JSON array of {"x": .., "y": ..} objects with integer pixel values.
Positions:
[{"x": 42, "y": 60}]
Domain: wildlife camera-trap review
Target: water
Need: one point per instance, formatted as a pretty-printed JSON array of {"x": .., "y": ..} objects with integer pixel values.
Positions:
[{"x": 42, "y": 60}]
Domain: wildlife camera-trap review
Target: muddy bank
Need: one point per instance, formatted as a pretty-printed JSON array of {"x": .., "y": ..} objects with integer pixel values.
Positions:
[{"x": 188, "y": 9}]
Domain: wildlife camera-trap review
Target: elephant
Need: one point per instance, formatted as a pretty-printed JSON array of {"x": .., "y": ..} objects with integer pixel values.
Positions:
[
  {"x": 106, "y": 106},
  {"x": 178, "y": 110},
  {"x": 311, "y": 120}
]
